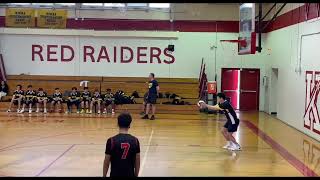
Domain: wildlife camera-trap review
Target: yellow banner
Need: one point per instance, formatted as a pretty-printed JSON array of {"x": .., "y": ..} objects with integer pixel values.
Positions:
[
  {"x": 17, "y": 17},
  {"x": 48, "y": 18}
]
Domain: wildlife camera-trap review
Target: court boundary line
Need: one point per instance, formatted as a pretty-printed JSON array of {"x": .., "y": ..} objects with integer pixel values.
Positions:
[
  {"x": 284, "y": 153},
  {"x": 146, "y": 153},
  {"x": 60, "y": 156}
]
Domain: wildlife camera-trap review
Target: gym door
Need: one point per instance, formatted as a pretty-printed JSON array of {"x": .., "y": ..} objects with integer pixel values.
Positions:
[{"x": 242, "y": 87}]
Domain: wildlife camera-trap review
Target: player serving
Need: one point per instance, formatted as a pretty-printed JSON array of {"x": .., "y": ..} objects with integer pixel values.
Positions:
[{"x": 232, "y": 123}]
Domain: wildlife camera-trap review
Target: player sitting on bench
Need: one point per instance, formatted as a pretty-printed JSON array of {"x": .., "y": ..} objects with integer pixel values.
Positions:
[
  {"x": 96, "y": 100},
  {"x": 73, "y": 99},
  {"x": 16, "y": 98},
  {"x": 29, "y": 99},
  {"x": 42, "y": 99},
  {"x": 56, "y": 99},
  {"x": 85, "y": 100},
  {"x": 108, "y": 100}
]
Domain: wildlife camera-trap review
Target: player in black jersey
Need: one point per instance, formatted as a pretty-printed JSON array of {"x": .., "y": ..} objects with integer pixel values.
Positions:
[
  {"x": 73, "y": 99},
  {"x": 85, "y": 100},
  {"x": 232, "y": 123},
  {"x": 96, "y": 100},
  {"x": 108, "y": 100},
  {"x": 17, "y": 98},
  {"x": 42, "y": 98},
  {"x": 122, "y": 151},
  {"x": 56, "y": 99},
  {"x": 29, "y": 99}
]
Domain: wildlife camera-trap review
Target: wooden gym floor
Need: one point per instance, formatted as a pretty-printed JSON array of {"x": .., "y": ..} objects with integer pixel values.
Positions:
[{"x": 173, "y": 145}]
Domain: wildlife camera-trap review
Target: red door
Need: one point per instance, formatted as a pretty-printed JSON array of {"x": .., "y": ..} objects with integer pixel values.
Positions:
[
  {"x": 230, "y": 85},
  {"x": 249, "y": 89}
]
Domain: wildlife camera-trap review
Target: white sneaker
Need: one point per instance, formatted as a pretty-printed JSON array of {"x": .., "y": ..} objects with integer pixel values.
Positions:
[
  {"x": 21, "y": 111},
  {"x": 90, "y": 112},
  {"x": 235, "y": 147},
  {"x": 45, "y": 111},
  {"x": 113, "y": 111},
  {"x": 37, "y": 110},
  {"x": 30, "y": 111},
  {"x": 99, "y": 112},
  {"x": 18, "y": 110},
  {"x": 227, "y": 145},
  {"x": 9, "y": 110}
]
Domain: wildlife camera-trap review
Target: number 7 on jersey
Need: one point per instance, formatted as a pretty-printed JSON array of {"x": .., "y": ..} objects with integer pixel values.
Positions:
[{"x": 126, "y": 147}]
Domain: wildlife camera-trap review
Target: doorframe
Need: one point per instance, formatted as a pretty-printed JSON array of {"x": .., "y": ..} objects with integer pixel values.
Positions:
[{"x": 258, "y": 91}]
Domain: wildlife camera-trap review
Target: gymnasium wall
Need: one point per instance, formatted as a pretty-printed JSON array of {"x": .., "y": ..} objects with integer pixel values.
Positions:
[
  {"x": 287, "y": 46},
  {"x": 22, "y": 54}
]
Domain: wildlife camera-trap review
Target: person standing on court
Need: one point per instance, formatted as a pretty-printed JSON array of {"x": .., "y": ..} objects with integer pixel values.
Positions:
[
  {"x": 152, "y": 97},
  {"x": 123, "y": 151}
]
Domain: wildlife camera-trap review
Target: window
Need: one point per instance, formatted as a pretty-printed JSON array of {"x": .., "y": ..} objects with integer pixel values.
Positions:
[
  {"x": 92, "y": 4},
  {"x": 42, "y": 4},
  {"x": 137, "y": 4},
  {"x": 20, "y": 4},
  {"x": 65, "y": 4},
  {"x": 159, "y": 5},
  {"x": 114, "y": 5}
]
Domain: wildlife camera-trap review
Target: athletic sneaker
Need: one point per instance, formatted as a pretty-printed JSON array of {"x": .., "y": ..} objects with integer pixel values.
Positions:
[
  {"x": 90, "y": 112},
  {"x": 30, "y": 111},
  {"x": 234, "y": 147},
  {"x": 45, "y": 111},
  {"x": 112, "y": 111},
  {"x": 82, "y": 111},
  {"x": 18, "y": 110},
  {"x": 152, "y": 117},
  {"x": 145, "y": 116},
  {"x": 227, "y": 145},
  {"x": 78, "y": 112},
  {"x": 21, "y": 111},
  {"x": 8, "y": 110},
  {"x": 99, "y": 112},
  {"x": 37, "y": 110}
]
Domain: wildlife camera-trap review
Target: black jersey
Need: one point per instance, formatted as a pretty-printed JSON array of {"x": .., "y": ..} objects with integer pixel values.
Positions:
[
  {"x": 74, "y": 95},
  {"x": 108, "y": 97},
  {"x": 42, "y": 95},
  {"x": 86, "y": 95},
  {"x": 30, "y": 95},
  {"x": 57, "y": 96},
  {"x": 229, "y": 112},
  {"x": 18, "y": 93},
  {"x": 123, "y": 149}
]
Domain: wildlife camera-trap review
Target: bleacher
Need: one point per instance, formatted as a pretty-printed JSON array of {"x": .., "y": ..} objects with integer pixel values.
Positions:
[{"x": 186, "y": 88}]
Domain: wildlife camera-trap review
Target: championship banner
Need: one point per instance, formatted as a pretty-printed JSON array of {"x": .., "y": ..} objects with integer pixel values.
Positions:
[
  {"x": 17, "y": 17},
  {"x": 48, "y": 18}
]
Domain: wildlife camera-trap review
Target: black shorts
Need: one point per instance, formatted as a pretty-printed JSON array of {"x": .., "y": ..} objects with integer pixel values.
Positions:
[
  {"x": 95, "y": 101},
  {"x": 231, "y": 127},
  {"x": 15, "y": 101},
  {"x": 54, "y": 102},
  {"x": 85, "y": 100},
  {"x": 37, "y": 101},
  {"x": 28, "y": 102},
  {"x": 152, "y": 99},
  {"x": 108, "y": 102}
]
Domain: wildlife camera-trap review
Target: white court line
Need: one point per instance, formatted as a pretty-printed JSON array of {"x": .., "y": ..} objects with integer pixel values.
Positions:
[{"x": 146, "y": 153}]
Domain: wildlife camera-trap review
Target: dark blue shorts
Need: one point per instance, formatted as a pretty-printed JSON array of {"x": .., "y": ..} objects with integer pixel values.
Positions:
[
  {"x": 231, "y": 127},
  {"x": 152, "y": 99}
]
